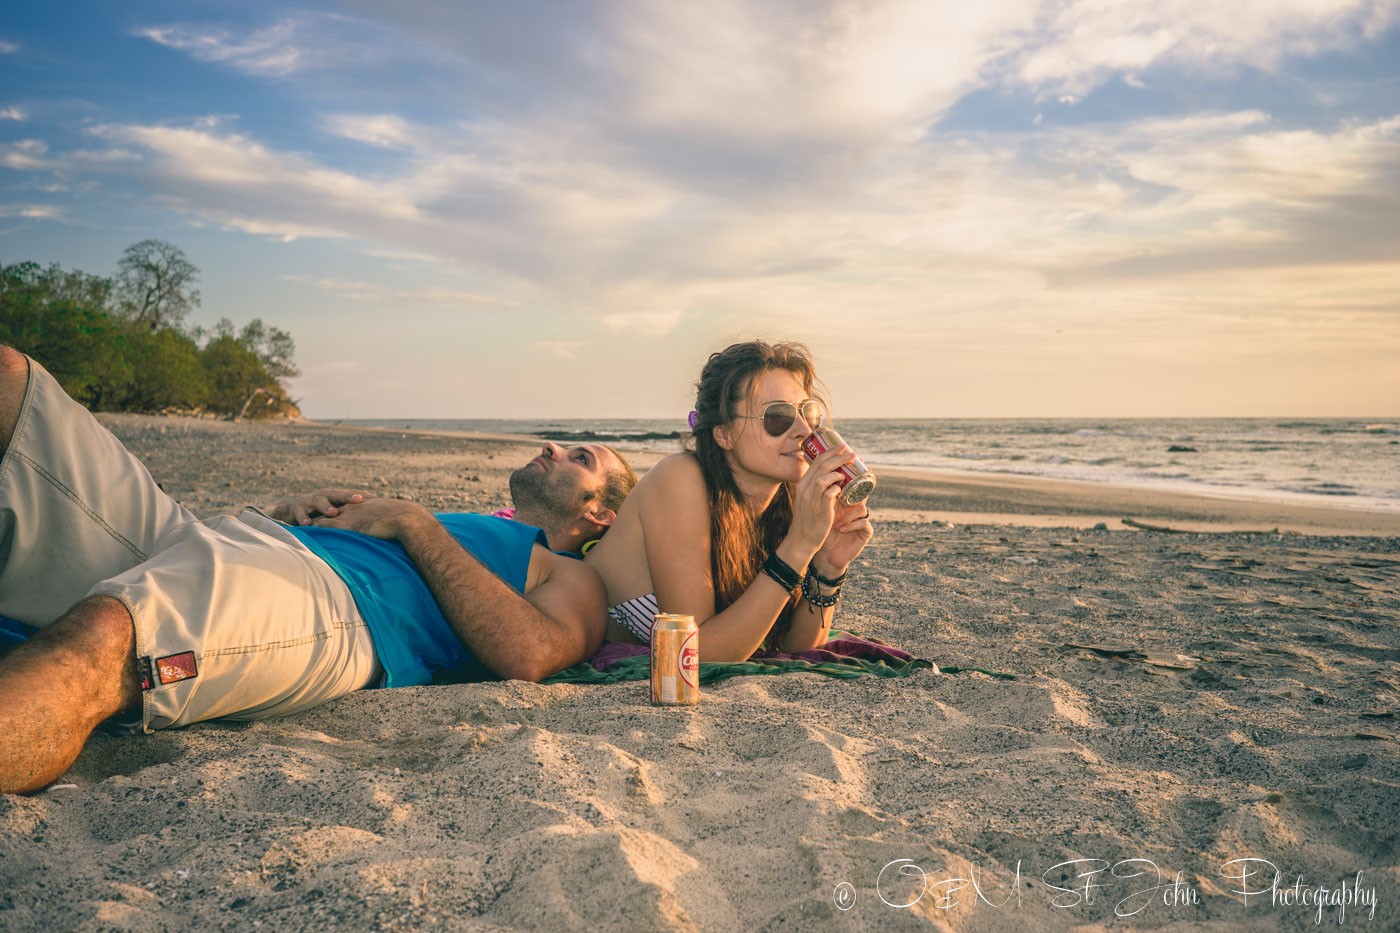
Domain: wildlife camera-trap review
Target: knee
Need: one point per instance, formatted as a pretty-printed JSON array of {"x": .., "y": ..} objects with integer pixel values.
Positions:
[
  {"x": 12, "y": 363},
  {"x": 14, "y": 379}
]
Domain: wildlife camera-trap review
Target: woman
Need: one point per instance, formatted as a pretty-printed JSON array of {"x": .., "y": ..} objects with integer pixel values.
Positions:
[{"x": 738, "y": 531}]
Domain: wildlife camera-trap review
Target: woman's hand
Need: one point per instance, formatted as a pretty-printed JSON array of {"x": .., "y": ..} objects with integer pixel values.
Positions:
[
  {"x": 322, "y": 502},
  {"x": 814, "y": 506},
  {"x": 851, "y": 531}
]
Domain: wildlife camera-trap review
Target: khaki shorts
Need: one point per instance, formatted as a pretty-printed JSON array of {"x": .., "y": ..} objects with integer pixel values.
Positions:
[{"x": 234, "y": 617}]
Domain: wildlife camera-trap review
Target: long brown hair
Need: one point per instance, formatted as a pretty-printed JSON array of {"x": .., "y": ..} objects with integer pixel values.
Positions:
[{"x": 739, "y": 540}]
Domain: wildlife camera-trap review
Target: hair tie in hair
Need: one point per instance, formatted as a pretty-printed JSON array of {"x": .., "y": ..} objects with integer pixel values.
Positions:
[{"x": 693, "y": 419}]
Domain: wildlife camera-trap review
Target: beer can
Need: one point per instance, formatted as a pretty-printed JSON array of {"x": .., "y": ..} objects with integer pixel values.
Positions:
[
  {"x": 857, "y": 480},
  {"x": 675, "y": 660}
]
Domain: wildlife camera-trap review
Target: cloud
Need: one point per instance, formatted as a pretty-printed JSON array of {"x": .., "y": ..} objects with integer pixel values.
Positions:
[
  {"x": 32, "y": 211},
  {"x": 281, "y": 49},
  {"x": 12, "y": 113},
  {"x": 372, "y": 292},
  {"x": 1235, "y": 191},
  {"x": 233, "y": 180},
  {"x": 8, "y": 48},
  {"x": 1079, "y": 45},
  {"x": 386, "y": 130},
  {"x": 25, "y": 155},
  {"x": 652, "y": 165},
  {"x": 33, "y": 155}
]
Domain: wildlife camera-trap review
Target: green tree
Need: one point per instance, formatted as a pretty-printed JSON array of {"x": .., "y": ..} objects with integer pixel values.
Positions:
[
  {"x": 166, "y": 372},
  {"x": 56, "y": 317},
  {"x": 237, "y": 378},
  {"x": 117, "y": 344},
  {"x": 154, "y": 285}
]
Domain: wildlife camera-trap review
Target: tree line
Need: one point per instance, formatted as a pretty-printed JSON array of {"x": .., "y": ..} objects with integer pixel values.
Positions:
[{"x": 120, "y": 343}]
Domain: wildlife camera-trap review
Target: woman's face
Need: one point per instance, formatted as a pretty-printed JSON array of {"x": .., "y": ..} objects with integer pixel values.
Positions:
[{"x": 751, "y": 449}]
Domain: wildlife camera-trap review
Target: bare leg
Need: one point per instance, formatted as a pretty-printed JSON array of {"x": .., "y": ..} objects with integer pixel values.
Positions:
[
  {"x": 14, "y": 379},
  {"x": 58, "y": 686}
]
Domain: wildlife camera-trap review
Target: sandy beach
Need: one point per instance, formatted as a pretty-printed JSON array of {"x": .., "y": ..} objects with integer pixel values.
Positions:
[{"x": 1195, "y": 728}]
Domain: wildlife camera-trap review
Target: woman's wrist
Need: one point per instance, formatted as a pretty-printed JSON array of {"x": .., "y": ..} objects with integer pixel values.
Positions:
[
  {"x": 825, "y": 570},
  {"x": 795, "y": 555}
]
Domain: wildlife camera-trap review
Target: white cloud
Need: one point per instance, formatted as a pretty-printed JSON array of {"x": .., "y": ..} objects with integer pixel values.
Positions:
[
  {"x": 25, "y": 155},
  {"x": 1082, "y": 43},
  {"x": 302, "y": 44},
  {"x": 385, "y": 130},
  {"x": 32, "y": 211},
  {"x": 8, "y": 48},
  {"x": 417, "y": 297},
  {"x": 12, "y": 113},
  {"x": 32, "y": 155},
  {"x": 275, "y": 51},
  {"x": 233, "y": 180}
]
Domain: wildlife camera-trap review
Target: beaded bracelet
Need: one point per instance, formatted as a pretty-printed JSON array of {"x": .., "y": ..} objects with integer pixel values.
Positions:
[
  {"x": 781, "y": 573},
  {"x": 809, "y": 592}
]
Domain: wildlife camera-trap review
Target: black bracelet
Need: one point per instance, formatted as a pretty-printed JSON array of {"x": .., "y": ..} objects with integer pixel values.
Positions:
[
  {"x": 781, "y": 573},
  {"x": 809, "y": 592},
  {"x": 812, "y": 571}
]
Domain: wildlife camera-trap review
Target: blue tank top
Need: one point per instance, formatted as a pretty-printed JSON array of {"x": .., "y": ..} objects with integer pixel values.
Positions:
[{"x": 413, "y": 639}]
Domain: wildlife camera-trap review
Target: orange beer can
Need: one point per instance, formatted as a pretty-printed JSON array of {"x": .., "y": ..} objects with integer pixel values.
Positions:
[{"x": 675, "y": 660}]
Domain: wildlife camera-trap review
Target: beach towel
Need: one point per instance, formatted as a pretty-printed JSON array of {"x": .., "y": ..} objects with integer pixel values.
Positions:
[{"x": 845, "y": 655}]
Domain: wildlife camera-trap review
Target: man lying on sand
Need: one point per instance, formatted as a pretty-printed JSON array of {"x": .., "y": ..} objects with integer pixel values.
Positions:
[{"x": 168, "y": 620}]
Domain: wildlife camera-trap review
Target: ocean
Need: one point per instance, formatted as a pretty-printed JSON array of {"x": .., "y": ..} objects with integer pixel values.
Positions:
[{"x": 1339, "y": 462}]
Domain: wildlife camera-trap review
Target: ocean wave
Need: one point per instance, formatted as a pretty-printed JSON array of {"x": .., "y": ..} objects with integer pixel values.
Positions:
[
  {"x": 1324, "y": 489},
  {"x": 605, "y": 436}
]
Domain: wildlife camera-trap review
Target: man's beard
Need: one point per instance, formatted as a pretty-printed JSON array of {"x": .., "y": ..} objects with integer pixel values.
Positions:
[{"x": 533, "y": 490}]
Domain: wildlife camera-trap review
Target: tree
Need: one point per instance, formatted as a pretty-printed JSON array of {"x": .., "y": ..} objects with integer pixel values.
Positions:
[
  {"x": 235, "y": 375},
  {"x": 166, "y": 372},
  {"x": 273, "y": 347},
  {"x": 58, "y": 318},
  {"x": 154, "y": 285}
]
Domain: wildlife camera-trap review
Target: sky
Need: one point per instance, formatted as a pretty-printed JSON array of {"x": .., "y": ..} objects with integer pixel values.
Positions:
[{"x": 559, "y": 208}]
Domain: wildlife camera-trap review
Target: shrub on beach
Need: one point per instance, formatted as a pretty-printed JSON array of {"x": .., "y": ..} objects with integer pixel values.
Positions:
[{"x": 115, "y": 352}]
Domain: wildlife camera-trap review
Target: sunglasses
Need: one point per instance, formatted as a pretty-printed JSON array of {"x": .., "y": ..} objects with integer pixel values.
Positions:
[{"x": 778, "y": 417}]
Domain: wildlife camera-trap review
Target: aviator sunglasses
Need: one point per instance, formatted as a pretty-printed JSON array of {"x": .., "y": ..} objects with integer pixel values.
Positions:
[{"x": 778, "y": 417}]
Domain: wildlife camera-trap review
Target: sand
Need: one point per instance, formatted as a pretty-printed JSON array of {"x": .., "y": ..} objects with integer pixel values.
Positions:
[{"x": 1179, "y": 702}]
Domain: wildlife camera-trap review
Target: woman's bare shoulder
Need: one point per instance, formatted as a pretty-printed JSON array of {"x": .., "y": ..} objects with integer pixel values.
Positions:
[
  {"x": 674, "y": 479},
  {"x": 677, "y": 469}
]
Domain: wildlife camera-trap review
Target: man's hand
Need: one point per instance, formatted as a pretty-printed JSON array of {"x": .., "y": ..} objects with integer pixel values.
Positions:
[
  {"x": 390, "y": 519},
  {"x": 313, "y": 505}
]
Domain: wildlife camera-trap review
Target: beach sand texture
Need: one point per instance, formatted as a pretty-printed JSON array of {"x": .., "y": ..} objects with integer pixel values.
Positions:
[{"x": 1188, "y": 699}]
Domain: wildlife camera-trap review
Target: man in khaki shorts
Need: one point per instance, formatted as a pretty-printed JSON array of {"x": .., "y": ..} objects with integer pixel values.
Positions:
[{"x": 146, "y": 612}]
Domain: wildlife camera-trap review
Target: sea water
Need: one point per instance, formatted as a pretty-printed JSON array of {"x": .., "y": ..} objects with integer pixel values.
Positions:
[{"x": 1340, "y": 462}]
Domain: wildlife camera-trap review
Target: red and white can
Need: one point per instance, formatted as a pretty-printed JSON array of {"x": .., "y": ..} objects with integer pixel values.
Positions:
[
  {"x": 675, "y": 660},
  {"x": 857, "y": 480}
]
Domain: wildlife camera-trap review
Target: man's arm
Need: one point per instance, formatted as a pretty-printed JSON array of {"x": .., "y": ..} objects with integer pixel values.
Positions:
[{"x": 561, "y": 620}]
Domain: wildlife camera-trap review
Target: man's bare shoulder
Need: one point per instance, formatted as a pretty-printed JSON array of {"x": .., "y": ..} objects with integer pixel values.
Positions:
[{"x": 560, "y": 571}]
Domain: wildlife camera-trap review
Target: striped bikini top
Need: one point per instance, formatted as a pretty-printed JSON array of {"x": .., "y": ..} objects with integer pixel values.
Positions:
[{"x": 637, "y": 616}]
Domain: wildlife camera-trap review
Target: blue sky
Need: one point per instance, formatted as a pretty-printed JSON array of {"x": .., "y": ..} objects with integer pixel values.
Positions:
[{"x": 1011, "y": 208}]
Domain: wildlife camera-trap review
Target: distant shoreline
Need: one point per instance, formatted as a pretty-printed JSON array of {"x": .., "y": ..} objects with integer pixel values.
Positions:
[{"x": 932, "y": 495}]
